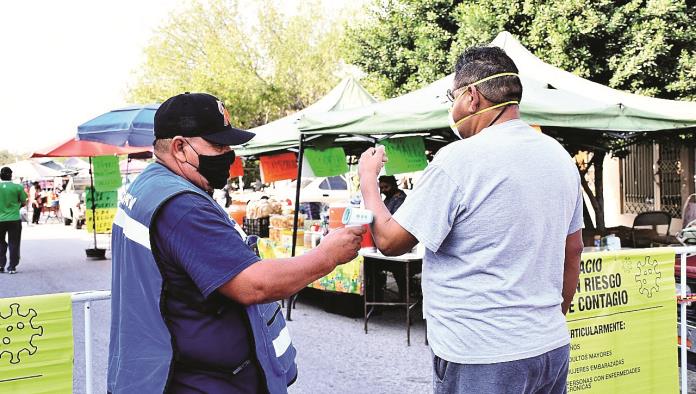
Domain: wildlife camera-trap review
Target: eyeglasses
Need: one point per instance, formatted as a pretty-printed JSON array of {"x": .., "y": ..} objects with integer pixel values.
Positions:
[{"x": 450, "y": 94}]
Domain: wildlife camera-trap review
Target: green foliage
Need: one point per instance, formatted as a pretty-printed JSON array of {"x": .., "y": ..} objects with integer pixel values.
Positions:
[
  {"x": 642, "y": 46},
  {"x": 403, "y": 44},
  {"x": 7, "y": 157},
  {"x": 261, "y": 62}
]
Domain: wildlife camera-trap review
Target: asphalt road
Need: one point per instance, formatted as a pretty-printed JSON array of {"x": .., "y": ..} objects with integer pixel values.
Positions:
[{"x": 334, "y": 353}]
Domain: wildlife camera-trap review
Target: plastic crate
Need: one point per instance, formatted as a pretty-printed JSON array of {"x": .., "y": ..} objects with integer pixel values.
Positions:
[{"x": 257, "y": 227}]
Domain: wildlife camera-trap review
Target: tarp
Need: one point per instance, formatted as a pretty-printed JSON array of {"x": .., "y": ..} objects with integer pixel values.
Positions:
[
  {"x": 75, "y": 163},
  {"x": 283, "y": 133},
  {"x": 32, "y": 170},
  {"x": 51, "y": 163},
  {"x": 75, "y": 148},
  {"x": 551, "y": 97}
]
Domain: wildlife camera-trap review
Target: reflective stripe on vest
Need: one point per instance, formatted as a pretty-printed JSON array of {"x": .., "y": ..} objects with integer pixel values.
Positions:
[
  {"x": 132, "y": 229},
  {"x": 282, "y": 342}
]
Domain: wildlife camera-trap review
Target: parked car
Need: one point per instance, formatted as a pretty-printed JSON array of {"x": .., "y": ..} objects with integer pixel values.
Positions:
[{"x": 328, "y": 190}]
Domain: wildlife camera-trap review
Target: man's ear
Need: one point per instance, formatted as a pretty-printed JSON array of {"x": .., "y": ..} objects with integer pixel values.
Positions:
[
  {"x": 473, "y": 102},
  {"x": 176, "y": 148}
]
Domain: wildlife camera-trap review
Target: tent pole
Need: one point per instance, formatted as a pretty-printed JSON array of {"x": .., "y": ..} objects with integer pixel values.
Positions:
[
  {"x": 94, "y": 208},
  {"x": 300, "y": 158}
]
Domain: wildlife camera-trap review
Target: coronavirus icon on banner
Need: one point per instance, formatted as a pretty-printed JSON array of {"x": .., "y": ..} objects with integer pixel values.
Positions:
[
  {"x": 648, "y": 277},
  {"x": 18, "y": 332},
  {"x": 36, "y": 344}
]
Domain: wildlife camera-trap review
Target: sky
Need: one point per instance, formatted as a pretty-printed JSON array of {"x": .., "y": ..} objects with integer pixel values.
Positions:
[{"x": 63, "y": 63}]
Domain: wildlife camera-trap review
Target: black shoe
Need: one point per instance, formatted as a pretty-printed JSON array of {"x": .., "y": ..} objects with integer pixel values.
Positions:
[
  {"x": 2, "y": 270},
  {"x": 11, "y": 271}
]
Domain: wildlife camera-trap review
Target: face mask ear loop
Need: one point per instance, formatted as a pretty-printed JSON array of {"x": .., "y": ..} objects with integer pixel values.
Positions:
[
  {"x": 194, "y": 149},
  {"x": 497, "y": 117}
]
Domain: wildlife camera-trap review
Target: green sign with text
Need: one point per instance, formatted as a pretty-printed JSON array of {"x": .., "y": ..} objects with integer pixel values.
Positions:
[
  {"x": 405, "y": 155},
  {"x": 102, "y": 199},
  {"x": 327, "y": 162},
  {"x": 107, "y": 174}
]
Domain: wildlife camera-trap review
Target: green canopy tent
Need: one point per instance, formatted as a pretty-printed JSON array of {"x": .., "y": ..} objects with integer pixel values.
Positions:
[
  {"x": 283, "y": 133},
  {"x": 555, "y": 99},
  {"x": 551, "y": 97}
]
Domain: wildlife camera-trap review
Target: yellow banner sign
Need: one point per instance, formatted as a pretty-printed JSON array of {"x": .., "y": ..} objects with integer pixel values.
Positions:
[
  {"x": 345, "y": 278},
  {"x": 622, "y": 324},
  {"x": 105, "y": 218},
  {"x": 36, "y": 344}
]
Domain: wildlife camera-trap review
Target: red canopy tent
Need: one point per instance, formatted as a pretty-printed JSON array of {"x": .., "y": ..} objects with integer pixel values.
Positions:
[{"x": 75, "y": 148}]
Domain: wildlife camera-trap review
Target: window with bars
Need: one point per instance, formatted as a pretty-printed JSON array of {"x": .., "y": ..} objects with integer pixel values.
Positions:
[
  {"x": 651, "y": 179},
  {"x": 669, "y": 171},
  {"x": 638, "y": 187}
]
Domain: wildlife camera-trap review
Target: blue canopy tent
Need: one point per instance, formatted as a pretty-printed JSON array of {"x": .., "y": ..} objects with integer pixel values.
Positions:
[{"x": 130, "y": 126}]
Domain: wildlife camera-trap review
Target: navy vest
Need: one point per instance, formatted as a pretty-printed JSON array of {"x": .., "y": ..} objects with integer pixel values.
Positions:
[{"x": 140, "y": 348}]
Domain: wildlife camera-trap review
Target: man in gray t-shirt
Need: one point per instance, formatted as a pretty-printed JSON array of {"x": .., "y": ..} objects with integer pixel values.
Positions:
[{"x": 500, "y": 216}]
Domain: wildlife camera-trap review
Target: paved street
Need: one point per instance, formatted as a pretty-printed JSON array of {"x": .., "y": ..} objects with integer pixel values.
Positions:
[{"x": 335, "y": 355}]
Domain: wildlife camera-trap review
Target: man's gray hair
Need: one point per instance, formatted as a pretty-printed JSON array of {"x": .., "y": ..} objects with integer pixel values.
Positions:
[
  {"x": 162, "y": 145},
  {"x": 477, "y": 63}
]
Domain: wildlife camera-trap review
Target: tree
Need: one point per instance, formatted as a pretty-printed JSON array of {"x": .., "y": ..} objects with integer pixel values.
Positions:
[
  {"x": 403, "y": 44},
  {"x": 262, "y": 63},
  {"x": 641, "y": 46},
  {"x": 645, "y": 47},
  {"x": 7, "y": 157}
]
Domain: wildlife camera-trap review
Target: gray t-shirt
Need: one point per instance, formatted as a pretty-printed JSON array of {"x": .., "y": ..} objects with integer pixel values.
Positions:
[{"x": 493, "y": 212}]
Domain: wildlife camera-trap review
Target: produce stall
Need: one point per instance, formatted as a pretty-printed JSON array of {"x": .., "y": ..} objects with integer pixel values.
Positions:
[{"x": 273, "y": 222}]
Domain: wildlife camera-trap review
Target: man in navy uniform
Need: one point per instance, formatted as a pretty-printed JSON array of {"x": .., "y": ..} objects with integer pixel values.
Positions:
[{"x": 192, "y": 305}]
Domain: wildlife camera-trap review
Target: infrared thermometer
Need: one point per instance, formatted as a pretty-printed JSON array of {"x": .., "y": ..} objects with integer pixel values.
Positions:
[{"x": 353, "y": 217}]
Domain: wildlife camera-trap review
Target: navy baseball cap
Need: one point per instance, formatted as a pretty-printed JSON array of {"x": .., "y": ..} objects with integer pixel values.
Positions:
[{"x": 198, "y": 115}]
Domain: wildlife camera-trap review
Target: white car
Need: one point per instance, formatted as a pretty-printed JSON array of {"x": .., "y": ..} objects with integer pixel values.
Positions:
[{"x": 328, "y": 190}]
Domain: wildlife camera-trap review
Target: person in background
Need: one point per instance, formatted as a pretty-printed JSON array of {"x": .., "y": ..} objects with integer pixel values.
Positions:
[
  {"x": 12, "y": 199},
  {"x": 311, "y": 209},
  {"x": 37, "y": 202},
  {"x": 54, "y": 202},
  {"x": 393, "y": 196},
  {"x": 500, "y": 215}
]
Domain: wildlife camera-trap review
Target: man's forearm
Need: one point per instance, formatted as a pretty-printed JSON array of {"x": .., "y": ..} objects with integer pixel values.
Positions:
[
  {"x": 373, "y": 202},
  {"x": 275, "y": 279},
  {"x": 571, "y": 274}
]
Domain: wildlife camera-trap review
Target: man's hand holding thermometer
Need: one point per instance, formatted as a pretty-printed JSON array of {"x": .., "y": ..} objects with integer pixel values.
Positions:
[{"x": 355, "y": 217}]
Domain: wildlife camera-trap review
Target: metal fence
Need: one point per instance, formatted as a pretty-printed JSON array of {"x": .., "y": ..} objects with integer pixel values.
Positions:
[
  {"x": 683, "y": 253},
  {"x": 86, "y": 298}
]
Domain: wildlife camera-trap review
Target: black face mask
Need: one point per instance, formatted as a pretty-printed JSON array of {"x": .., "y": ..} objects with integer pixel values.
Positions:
[{"x": 216, "y": 169}]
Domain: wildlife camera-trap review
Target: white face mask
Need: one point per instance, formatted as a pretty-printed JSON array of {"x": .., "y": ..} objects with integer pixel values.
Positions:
[{"x": 453, "y": 125}]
